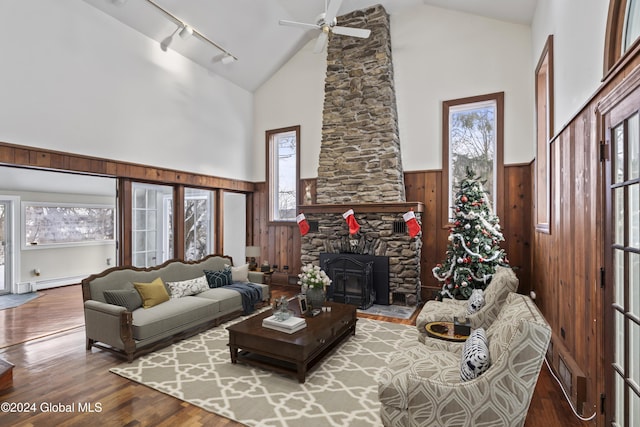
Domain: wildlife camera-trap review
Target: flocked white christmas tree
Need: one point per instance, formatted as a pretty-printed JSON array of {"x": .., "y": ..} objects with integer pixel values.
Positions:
[{"x": 473, "y": 251}]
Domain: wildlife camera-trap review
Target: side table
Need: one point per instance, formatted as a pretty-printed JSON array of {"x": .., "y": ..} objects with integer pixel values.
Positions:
[{"x": 443, "y": 331}]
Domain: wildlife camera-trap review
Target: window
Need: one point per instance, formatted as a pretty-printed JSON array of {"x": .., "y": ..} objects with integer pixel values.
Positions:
[
  {"x": 623, "y": 30},
  {"x": 47, "y": 224},
  {"x": 198, "y": 223},
  {"x": 473, "y": 137},
  {"x": 152, "y": 224},
  {"x": 544, "y": 133},
  {"x": 283, "y": 166}
]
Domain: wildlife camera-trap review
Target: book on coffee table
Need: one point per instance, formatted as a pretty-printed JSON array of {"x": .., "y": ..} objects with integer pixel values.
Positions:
[{"x": 290, "y": 325}]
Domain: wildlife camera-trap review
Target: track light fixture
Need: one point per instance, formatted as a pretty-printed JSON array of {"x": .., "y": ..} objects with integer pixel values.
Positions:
[
  {"x": 227, "y": 59},
  {"x": 164, "y": 44},
  {"x": 186, "y": 31}
]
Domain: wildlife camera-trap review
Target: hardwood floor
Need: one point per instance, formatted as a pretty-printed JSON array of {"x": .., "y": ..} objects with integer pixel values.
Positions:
[{"x": 53, "y": 371}]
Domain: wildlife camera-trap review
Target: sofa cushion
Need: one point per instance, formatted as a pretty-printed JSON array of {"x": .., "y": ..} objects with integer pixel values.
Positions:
[
  {"x": 475, "y": 355},
  {"x": 228, "y": 299},
  {"x": 217, "y": 279},
  {"x": 127, "y": 298},
  {"x": 188, "y": 287},
  {"x": 240, "y": 273},
  {"x": 476, "y": 301},
  {"x": 171, "y": 315},
  {"x": 153, "y": 293}
]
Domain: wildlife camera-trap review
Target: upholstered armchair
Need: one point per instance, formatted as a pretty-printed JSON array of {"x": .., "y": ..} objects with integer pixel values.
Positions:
[
  {"x": 502, "y": 283},
  {"x": 421, "y": 385}
]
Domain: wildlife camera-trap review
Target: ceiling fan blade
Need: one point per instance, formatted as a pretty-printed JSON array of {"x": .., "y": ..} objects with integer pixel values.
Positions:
[
  {"x": 332, "y": 11},
  {"x": 299, "y": 24},
  {"x": 349, "y": 31},
  {"x": 320, "y": 42}
]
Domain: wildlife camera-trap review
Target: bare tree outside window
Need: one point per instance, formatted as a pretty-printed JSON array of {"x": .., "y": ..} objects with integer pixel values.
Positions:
[
  {"x": 198, "y": 224},
  {"x": 46, "y": 224},
  {"x": 473, "y": 140}
]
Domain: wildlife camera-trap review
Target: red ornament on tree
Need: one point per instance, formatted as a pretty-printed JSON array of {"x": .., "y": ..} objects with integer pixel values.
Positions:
[{"x": 464, "y": 199}]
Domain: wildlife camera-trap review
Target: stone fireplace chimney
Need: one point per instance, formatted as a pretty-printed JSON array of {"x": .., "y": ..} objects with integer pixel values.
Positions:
[
  {"x": 360, "y": 165},
  {"x": 360, "y": 153}
]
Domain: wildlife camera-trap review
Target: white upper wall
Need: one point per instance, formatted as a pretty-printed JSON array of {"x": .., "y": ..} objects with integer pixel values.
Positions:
[
  {"x": 74, "y": 79},
  {"x": 578, "y": 50},
  {"x": 438, "y": 55}
]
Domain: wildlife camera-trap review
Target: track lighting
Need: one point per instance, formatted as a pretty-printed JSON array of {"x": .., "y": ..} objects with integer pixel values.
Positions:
[{"x": 186, "y": 31}]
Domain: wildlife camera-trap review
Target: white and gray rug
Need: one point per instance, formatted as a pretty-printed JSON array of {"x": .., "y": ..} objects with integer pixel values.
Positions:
[{"x": 341, "y": 390}]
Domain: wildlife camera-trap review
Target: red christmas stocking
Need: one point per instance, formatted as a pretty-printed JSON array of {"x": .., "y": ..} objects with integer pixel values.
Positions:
[
  {"x": 412, "y": 223},
  {"x": 303, "y": 225},
  {"x": 351, "y": 221}
]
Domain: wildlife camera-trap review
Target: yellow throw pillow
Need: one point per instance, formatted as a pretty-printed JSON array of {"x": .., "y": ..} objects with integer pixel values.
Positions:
[{"x": 153, "y": 293}]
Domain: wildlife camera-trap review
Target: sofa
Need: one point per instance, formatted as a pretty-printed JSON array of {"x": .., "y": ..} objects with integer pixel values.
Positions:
[
  {"x": 502, "y": 283},
  {"x": 422, "y": 385},
  {"x": 132, "y": 311}
]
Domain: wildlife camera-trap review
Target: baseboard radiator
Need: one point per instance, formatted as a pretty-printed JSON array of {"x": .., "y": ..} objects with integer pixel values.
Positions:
[
  {"x": 36, "y": 285},
  {"x": 569, "y": 373}
]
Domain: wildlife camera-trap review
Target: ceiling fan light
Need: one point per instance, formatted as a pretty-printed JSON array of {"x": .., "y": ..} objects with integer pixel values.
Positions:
[{"x": 186, "y": 31}]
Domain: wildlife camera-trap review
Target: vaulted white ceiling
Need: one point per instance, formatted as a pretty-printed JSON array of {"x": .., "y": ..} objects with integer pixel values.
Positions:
[{"x": 249, "y": 29}]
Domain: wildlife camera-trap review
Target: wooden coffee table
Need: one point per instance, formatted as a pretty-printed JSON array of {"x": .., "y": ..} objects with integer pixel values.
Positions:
[{"x": 291, "y": 354}]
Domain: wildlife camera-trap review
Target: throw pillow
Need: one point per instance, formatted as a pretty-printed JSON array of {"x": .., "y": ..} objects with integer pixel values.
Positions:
[
  {"x": 476, "y": 301},
  {"x": 475, "y": 355},
  {"x": 153, "y": 293},
  {"x": 188, "y": 287},
  {"x": 240, "y": 273},
  {"x": 127, "y": 298},
  {"x": 217, "y": 279}
]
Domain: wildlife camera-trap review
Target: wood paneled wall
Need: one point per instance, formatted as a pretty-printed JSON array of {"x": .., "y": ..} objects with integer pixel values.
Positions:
[
  {"x": 280, "y": 244},
  {"x": 567, "y": 261}
]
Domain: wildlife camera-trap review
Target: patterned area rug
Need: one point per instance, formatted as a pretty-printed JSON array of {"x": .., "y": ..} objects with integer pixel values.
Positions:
[{"x": 341, "y": 390}]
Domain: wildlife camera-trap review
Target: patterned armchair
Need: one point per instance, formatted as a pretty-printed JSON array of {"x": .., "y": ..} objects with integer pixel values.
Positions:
[
  {"x": 502, "y": 283},
  {"x": 421, "y": 385}
]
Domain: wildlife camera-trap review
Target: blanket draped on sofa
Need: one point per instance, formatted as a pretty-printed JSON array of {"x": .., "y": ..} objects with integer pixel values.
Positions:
[{"x": 251, "y": 295}]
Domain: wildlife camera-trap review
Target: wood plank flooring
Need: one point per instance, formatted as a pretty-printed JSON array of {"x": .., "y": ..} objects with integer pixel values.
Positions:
[{"x": 53, "y": 368}]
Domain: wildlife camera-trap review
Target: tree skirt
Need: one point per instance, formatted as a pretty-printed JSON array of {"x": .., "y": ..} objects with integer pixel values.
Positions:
[{"x": 341, "y": 390}]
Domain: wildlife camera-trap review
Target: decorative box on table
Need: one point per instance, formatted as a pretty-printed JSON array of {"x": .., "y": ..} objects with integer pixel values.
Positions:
[{"x": 461, "y": 326}]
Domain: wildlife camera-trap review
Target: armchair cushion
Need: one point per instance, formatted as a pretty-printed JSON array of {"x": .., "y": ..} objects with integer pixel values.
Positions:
[
  {"x": 476, "y": 301},
  {"x": 475, "y": 355}
]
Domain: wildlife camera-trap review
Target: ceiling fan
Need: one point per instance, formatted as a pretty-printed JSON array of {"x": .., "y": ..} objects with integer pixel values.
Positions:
[{"x": 327, "y": 23}]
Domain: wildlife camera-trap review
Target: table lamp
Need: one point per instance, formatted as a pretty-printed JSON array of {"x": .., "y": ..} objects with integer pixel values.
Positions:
[{"x": 252, "y": 252}]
